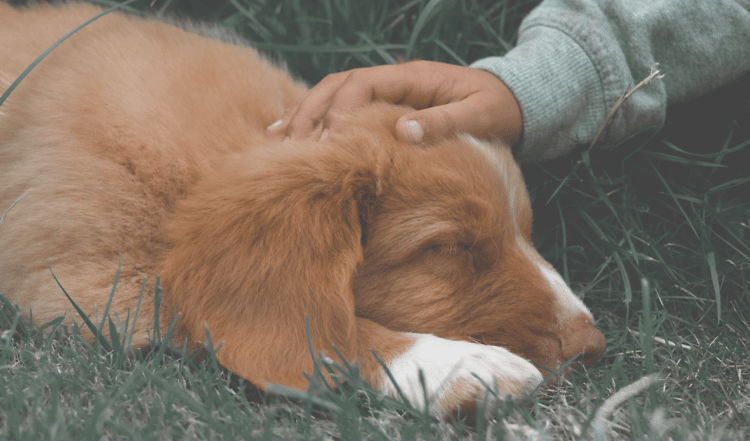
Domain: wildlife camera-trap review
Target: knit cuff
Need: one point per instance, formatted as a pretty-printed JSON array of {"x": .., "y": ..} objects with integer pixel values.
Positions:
[{"x": 557, "y": 88}]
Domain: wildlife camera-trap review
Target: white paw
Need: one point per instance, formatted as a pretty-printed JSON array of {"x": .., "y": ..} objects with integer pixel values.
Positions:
[{"x": 454, "y": 373}]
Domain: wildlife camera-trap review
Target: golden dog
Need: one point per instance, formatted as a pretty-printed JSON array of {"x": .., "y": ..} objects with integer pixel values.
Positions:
[{"x": 139, "y": 139}]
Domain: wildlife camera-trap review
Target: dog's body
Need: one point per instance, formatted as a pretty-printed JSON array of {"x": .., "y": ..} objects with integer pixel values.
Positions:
[{"x": 138, "y": 139}]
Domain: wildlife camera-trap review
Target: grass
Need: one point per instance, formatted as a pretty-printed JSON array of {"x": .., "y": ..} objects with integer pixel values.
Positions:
[{"x": 654, "y": 234}]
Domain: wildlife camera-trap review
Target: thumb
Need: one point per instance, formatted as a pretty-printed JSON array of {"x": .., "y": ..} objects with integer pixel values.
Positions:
[{"x": 425, "y": 125}]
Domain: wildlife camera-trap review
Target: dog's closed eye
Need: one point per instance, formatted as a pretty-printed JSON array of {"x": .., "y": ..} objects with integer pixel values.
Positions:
[{"x": 466, "y": 254}]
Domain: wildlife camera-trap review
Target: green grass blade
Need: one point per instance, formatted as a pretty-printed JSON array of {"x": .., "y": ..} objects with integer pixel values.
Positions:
[
  {"x": 105, "y": 314},
  {"x": 157, "y": 306},
  {"x": 564, "y": 238},
  {"x": 647, "y": 330},
  {"x": 118, "y": 351},
  {"x": 711, "y": 258},
  {"x": 26, "y": 71},
  {"x": 680, "y": 160},
  {"x": 129, "y": 340},
  {"x": 378, "y": 49},
  {"x": 424, "y": 17},
  {"x": 311, "y": 48},
  {"x": 718, "y": 154},
  {"x": 10, "y": 315},
  {"x": 674, "y": 198},
  {"x": 98, "y": 336},
  {"x": 458, "y": 59},
  {"x": 625, "y": 278}
]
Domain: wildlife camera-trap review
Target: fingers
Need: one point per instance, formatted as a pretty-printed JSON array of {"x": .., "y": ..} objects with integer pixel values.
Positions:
[
  {"x": 299, "y": 121},
  {"x": 490, "y": 112},
  {"x": 338, "y": 94},
  {"x": 452, "y": 99}
]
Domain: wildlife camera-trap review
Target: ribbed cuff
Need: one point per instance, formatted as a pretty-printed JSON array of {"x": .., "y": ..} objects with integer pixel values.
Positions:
[{"x": 557, "y": 88}]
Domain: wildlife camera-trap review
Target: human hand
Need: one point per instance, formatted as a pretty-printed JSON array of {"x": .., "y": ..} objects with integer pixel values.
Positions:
[{"x": 449, "y": 99}]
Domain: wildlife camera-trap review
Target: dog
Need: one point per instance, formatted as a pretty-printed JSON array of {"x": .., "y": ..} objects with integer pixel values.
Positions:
[{"x": 140, "y": 145}]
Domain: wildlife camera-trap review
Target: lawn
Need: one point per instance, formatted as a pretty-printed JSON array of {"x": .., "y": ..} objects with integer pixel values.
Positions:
[{"x": 653, "y": 234}]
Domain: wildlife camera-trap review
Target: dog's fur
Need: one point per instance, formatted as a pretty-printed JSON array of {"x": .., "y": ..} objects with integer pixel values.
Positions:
[{"x": 138, "y": 139}]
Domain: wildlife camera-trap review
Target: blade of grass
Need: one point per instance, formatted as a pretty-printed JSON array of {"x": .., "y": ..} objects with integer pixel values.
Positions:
[
  {"x": 250, "y": 16},
  {"x": 706, "y": 155},
  {"x": 98, "y": 336},
  {"x": 711, "y": 258},
  {"x": 459, "y": 60},
  {"x": 129, "y": 340},
  {"x": 105, "y": 314},
  {"x": 564, "y": 181},
  {"x": 302, "y": 396},
  {"x": 647, "y": 329},
  {"x": 309, "y": 48},
  {"x": 118, "y": 351},
  {"x": 586, "y": 157},
  {"x": 625, "y": 278},
  {"x": 157, "y": 305},
  {"x": 26, "y": 71},
  {"x": 391, "y": 377},
  {"x": 377, "y": 48},
  {"x": 679, "y": 160},
  {"x": 14, "y": 202},
  {"x": 422, "y": 20},
  {"x": 564, "y": 239},
  {"x": 674, "y": 198},
  {"x": 17, "y": 325}
]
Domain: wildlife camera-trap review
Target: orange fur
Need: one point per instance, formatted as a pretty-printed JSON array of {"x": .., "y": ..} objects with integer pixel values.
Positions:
[{"x": 139, "y": 139}]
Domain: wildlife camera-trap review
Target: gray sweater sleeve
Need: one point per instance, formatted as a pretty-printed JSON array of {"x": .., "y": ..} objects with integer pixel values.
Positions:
[{"x": 576, "y": 58}]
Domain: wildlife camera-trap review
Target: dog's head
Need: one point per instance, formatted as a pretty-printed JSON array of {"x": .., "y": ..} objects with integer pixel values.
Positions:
[
  {"x": 430, "y": 240},
  {"x": 448, "y": 250}
]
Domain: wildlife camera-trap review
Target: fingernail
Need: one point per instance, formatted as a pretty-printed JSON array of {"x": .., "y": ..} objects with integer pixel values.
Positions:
[
  {"x": 274, "y": 125},
  {"x": 324, "y": 135},
  {"x": 414, "y": 129}
]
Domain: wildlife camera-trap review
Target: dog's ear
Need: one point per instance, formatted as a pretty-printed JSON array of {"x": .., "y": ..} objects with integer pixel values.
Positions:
[{"x": 264, "y": 242}]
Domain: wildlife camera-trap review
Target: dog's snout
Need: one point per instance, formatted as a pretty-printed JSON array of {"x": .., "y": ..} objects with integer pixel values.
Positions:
[{"x": 579, "y": 336}]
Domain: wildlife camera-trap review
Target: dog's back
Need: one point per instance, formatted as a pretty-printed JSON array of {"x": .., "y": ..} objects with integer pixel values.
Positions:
[{"x": 100, "y": 142}]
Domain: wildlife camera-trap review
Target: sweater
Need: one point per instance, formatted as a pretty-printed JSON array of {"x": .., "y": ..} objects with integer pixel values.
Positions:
[{"x": 576, "y": 58}]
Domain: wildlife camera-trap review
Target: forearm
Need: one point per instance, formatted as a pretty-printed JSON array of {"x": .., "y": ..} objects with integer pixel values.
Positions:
[{"x": 576, "y": 58}]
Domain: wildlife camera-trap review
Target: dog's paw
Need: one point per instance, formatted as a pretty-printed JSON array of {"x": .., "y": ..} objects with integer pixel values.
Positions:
[{"x": 455, "y": 374}]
